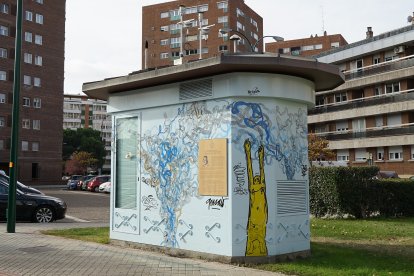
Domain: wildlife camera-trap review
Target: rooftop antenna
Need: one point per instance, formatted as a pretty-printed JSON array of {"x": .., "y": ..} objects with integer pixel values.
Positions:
[{"x": 323, "y": 20}]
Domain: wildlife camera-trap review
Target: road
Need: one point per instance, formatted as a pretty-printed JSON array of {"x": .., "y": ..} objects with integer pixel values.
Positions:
[{"x": 83, "y": 206}]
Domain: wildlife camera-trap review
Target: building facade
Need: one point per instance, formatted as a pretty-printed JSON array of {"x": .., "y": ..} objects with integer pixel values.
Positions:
[
  {"x": 161, "y": 30},
  {"x": 369, "y": 120},
  {"x": 41, "y": 93},
  {"x": 83, "y": 112},
  {"x": 307, "y": 46}
]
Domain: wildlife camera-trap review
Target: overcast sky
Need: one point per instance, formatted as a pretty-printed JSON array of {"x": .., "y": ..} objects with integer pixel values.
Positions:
[{"x": 103, "y": 37}]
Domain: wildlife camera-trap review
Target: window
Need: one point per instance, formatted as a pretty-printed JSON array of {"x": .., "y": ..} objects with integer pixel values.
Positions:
[
  {"x": 4, "y": 8},
  {"x": 36, "y": 82},
  {"x": 320, "y": 100},
  {"x": 39, "y": 2},
  {"x": 379, "y": 122},
  {"x": 165, "y": 28},
  {"x": 3, "y": 76},
  {"x": 395, "y": 153},
  {"x": 28, "y": 58},
  {"x": 164, "y": 41},
  {"x": 28, "y": 37},
  {"x": 191, "y": 52},
  {"x": 38, "y": 60},
  {"x": 380, "y": 153},
  {"x": 334, "y": 44},
  {"x": 240, "y": 26},
  {"x": 340, "y": 97},
  {"x": 2, "y": 121},
  {"x": 3, "y": 53},
  {"x": 378, "y": 91},
  {"x": 28, "y": 15},
  {"x": 394, "y": 119},
  {"x": 26, "y": 123},
  {"x": 174, "y": 42},
  {"x": 36, "y": 124},
  {"x": 27, "y": 80},
  {"x": 223, "y": 48},
  {"x": 163, "y": 55},
  {"x": 35, "y": 146},
  {"x": 341, "y": 126},
  {"x": 39, "y": 18},
  {"x": 175, "y": 54},
  {"x": 358, "y": 125},
  {"x": 26, "y": 101},
  {"x": 307, "y": 48},
  {"x": 4, "y": 30},
  {"x": 412, "y": 152},
  {"x": 239, "y": 12},
  {"x": 191, "y": 10},
  {"x": 203, "y": 8},
  {"x": 376, "y": 59},
  {"x": 38, "y": 39},
  {"x": 165, "y": 15},
  {"x": 37, "y": 103},
  {"x": 392, "y": 87},
  {"x": 25, "y": 145},
  {"x": 2, "y": 98},
  {"x": 222, "y": 5},
  {"x": 223, "y": 19},
  {"x": 342, "y": 155},
  {"x": 318, "y": 46},
  {"x": 360, "y": 155},
  {"x": 192, "y": 38}
]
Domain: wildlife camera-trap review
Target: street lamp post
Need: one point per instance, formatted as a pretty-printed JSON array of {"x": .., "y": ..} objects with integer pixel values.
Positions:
[
  {"x": 252, "y": 46},
  {"x": 11, "y": 203}
]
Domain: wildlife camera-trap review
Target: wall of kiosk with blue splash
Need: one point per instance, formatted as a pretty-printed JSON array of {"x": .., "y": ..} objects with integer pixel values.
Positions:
[{"x": 156, "y": 197}]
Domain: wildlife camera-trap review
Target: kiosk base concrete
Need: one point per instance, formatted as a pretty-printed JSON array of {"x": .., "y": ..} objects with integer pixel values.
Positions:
[{"x": 182, "y": 253}]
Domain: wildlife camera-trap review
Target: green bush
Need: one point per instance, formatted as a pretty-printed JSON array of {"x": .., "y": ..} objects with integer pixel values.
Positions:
[{"x": 355, "y": 191}]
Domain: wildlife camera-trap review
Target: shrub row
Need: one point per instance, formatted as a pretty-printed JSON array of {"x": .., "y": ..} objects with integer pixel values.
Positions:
[{"x": 355, "y": 191}]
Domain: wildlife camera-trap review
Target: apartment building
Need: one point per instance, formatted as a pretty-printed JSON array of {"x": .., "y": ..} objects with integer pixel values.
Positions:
[
  {"x": 161, "y": 30},
  {"x": 369, "y": 120},
  {"x": 82, "y": 112},
  {"x": 41, "y": 93},
  {"x": 307, "y": 47}
]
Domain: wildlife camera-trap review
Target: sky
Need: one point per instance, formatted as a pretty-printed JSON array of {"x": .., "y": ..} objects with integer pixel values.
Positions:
[{"x": 103, "y": 37}]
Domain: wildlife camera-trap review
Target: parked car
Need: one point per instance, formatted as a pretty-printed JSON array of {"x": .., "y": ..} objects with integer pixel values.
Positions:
[
  {"x": 105, "y": 187},
  {"x": 412, "y": 178},
  {"x": 73, "y": 181},
  {"x": 32, "y": 207},
  {"x": 83, "y": 180},
  {"x": 93, "y": 185},
  {"x": 387, "y": 174},
  {"x": 25, "y": 189}
]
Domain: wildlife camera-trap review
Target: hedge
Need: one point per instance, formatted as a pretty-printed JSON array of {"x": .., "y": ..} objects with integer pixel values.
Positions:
[{"x": 355, "y": 191}]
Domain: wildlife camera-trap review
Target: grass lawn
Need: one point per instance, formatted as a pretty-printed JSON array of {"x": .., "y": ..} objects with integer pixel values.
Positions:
[{"x": 339, "y": 247}]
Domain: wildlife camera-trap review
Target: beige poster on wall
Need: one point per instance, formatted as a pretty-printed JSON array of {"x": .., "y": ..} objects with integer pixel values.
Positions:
[{"x": 212, "y": 167}]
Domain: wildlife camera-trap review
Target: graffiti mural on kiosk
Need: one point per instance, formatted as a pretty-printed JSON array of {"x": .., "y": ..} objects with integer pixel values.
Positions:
[
  {"x": 257, "y": 219},
  {"x": 169, "y": 153}
]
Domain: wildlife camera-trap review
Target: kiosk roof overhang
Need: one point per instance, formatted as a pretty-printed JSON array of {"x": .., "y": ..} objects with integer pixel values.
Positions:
[{"x": 325, "y": 76}]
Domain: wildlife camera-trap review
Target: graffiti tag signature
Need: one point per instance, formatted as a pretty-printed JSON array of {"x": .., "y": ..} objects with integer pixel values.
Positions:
[{"x": 216, "y": 204}]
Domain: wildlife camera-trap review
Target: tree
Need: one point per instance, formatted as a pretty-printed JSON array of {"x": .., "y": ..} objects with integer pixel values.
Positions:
[
  {"x": 80, "y": 162},
  {"x": 83, "y": 140},
  {"x": 318, "y": 148}
]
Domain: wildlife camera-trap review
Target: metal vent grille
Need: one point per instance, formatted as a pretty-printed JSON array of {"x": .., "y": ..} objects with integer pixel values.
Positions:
[
  {"x": 196, "y": 89},
  {"x": 291, "y": 198}
]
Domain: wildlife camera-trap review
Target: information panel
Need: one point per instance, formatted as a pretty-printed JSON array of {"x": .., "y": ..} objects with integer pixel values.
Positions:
[{"x": 212, "y": 167}]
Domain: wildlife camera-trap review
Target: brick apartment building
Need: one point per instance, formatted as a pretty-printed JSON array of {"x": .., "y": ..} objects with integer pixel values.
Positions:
[
  {"x": 83, "y": 112},
  {"x": 307, "y": 46},
  {"x": 41, "y": 93},
  {"x": 161, "y": 30},
  {"x": 370, "y": 118}
]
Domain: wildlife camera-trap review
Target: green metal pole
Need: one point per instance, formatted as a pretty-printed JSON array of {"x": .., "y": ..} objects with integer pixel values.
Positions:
[{"x": 11, "y": 205}]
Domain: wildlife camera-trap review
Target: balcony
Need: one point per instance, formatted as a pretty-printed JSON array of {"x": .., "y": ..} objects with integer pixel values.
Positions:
[
  {"x": 392, "y": 65},
  {"x": 406, "y": 129},
  {"x": 395, "y": 97}
]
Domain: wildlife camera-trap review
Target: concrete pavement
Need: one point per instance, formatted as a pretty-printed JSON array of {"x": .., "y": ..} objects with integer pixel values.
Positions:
[{"x": 28, "y": 252}]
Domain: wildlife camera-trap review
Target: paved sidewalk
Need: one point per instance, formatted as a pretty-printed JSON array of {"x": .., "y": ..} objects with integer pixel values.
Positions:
[{"x": 27, "y": 252}]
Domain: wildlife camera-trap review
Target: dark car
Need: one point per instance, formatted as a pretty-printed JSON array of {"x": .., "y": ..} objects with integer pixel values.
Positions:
[
  {"x": 25, "y": 189},
  {"x": 73, "y": 181},
  {"x": 32, "y": 207},
  {"x": 93, "y": 185}
]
